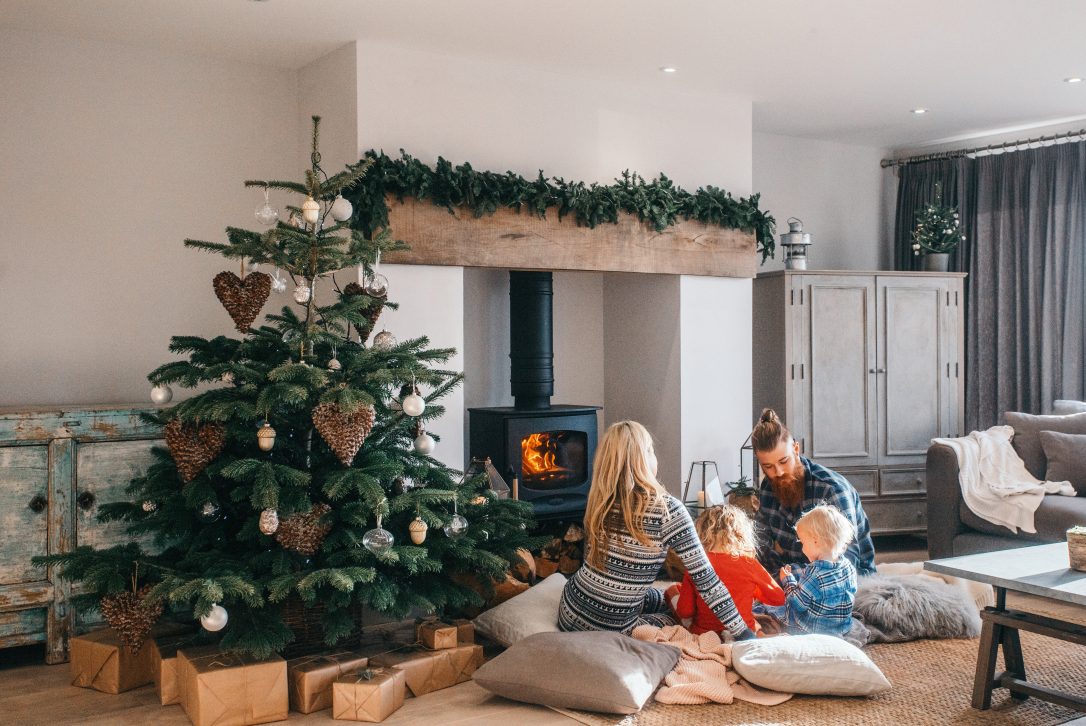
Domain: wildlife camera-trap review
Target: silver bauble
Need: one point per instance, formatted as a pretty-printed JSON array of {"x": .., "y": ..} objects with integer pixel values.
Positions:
[
  {"x": 424, "y": 444},
  {"x": 216, "y": 619},
  {"x": 269, "y": 521},
  {"x": 302, "y": 293},
  {"x": 456, "y": 527},
  {"x": 418, "y": 529},
  {"x": 265, "y": 437},
  {"x": 341, "y": 209},
  {"x": 161, "y": 394},
  {"x": 384, "y": 340},
  {"x": 378, "y": 540},
  {"x": 376, "y": 286},
  {"x": 413, "y": 405}
]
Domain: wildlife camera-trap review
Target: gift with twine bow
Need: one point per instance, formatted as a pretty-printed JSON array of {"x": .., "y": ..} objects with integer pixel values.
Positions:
[
  {"x": 226, "y": 688},
  {"x": 431, "y": 670},
  {"x": 435, "y": 634},
  {"x": 310, "y": 678},
  {"x": 100, "y": 661},
  {"x": 372, "y": 694}
]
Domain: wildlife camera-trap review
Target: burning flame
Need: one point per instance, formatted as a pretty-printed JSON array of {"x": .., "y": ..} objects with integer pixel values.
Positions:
[{"x": 539, "y": 457}]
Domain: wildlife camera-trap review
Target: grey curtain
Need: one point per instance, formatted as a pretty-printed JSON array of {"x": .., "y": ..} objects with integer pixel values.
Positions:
[{"x": 1024, "y": 216}]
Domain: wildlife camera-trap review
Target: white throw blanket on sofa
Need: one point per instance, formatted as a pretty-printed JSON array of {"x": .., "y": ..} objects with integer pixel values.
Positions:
[{"x": 995, "y": 483}]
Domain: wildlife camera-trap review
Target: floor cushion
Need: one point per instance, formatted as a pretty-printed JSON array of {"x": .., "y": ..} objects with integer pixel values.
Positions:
[
  {"x": 532, "y": 611},
  {"x": 896, "y": 608},
  {"x": 591, "y": 671},
  {"x": 812, "y": 664}
]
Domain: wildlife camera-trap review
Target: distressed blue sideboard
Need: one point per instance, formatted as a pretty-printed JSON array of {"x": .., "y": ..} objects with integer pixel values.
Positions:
[{"x": 56, "y": 467}]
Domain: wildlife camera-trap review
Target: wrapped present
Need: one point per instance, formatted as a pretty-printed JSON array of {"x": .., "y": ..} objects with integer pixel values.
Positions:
[
  {"x": 432, "y": 670},
  {"x": 436, "y": 635},
  {"x": 220, "y": 688},
  {"x": 372, "y": 694},
  {"x": 164, "y": 664},
  {"x": 310, "y": 678},
  {"x": 100, "y": 661},
  {"x": 465, "y": 631}
]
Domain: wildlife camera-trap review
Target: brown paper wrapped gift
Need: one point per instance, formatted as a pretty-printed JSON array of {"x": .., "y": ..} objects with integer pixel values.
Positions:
[
  {"x": 164, "y": 665},
  {"x": 436, "y": 635},
  {"x": 432, "y": 670},
  {"x": 310, "y": 678},
  {"x": 101, "y": 662},
  {"x": 465, "y": 631},
  {"x": 231, "y": 689},
  {"x": 372, "y": 694}
]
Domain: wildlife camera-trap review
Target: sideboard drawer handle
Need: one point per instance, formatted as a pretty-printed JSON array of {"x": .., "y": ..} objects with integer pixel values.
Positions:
[
  {"x": 86, "y": 500},
  {"x": 38, "y": 504}
]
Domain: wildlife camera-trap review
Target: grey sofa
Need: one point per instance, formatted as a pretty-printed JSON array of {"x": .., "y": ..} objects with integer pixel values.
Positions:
[{"x": 953, "y": 529}]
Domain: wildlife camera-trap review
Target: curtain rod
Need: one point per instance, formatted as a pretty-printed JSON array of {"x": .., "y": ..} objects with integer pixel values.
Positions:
[{"x": 1018, "y": 145}]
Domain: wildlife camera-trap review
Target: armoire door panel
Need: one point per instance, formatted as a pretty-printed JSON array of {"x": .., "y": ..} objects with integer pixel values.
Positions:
[
  {"x": 911, "y": 387},
  {"x": 840, "y": 344}
]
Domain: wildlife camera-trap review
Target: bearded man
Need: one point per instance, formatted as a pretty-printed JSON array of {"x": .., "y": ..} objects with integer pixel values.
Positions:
[{"x": 794, "y": 484}]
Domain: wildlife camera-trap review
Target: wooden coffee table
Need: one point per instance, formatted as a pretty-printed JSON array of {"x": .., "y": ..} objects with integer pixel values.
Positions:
[{"x": 1041, "y": 570}]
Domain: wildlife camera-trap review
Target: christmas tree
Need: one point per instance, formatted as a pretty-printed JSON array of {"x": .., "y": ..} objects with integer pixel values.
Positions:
[{"x": 300, "y": 480}]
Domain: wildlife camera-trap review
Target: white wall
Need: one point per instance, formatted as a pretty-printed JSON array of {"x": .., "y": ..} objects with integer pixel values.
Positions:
[
  {"x": 838, "y": 190},
  {"x": 111, "y": 157},
  {"x": 327, "y": 88}
]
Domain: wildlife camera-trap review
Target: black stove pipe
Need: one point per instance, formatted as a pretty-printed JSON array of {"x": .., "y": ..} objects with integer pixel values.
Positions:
[{"x": 531, "y": 340}]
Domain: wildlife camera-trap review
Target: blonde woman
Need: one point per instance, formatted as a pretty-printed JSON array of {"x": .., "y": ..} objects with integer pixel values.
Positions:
[{"x": 630, "y": 524}]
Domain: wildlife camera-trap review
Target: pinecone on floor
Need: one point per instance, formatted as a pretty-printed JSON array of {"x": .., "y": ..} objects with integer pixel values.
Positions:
[
  {"x": 132, "y": 616},
  {"x": 304, "y": 533}
]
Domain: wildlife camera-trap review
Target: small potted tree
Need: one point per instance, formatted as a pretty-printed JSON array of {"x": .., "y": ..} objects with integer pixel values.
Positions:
[
  {"x": 937, "y": 233},
  {"x": 742, "y": 494}
]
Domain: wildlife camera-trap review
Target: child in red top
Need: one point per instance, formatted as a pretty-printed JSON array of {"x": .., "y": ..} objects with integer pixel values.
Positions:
[{"x": 728, "y": 536}]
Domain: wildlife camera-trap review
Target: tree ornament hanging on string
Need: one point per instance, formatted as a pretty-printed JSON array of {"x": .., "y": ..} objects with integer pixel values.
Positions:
[
  {"x": 265, "y": 437},
  {"x": 373, "y": 308},
  {"x": 192, "y": 446},
  {"x": 208, "y": 512},
  {"x": 243, "y": 299},
  {"x": 396, "y": 403},
  {"x": 334, "y": 365},
  {"x": 424, "y": 442},
  {"x": 377, "y": 284},
  {"x": 279, "y": 283},
  {"x": 304, "y": 532},
  {"x": 458, "y": 525},
  {"x": 341, "y": 209},
  {"x": 148, "y": 506},
  {"x": 216, "y": 618},
  {"x": 384, "y": 340},
  {"x": 413, "y": 404},
  {"x": 266, "y": 214},
  {"x": 161, "y": 394},
  {"x": 311, "y": 210},
  {"x": 378, "y": 540},
  {"x": 132, "y": 615},
  {"x": 344, "y": 432},
  {"x": 302, "y": 293},
  {"x": 418, "y": 530},
  {"x": 269, "y": 521}
]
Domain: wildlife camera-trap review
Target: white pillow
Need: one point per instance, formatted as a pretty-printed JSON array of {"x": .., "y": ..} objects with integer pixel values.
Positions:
[
  {"x": 533, "y": 611},
  {"x": 821, "y": 665}
]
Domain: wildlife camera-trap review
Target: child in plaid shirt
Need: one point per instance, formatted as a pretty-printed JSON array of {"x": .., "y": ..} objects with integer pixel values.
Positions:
[{"x": 819, "y": 597}]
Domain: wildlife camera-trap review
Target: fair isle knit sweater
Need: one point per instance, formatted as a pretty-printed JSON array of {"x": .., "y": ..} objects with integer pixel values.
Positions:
[{"x": 614, "y": 597}]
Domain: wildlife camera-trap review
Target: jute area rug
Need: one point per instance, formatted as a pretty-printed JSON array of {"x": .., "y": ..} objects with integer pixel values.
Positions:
[{"x": 933, "y": 685}]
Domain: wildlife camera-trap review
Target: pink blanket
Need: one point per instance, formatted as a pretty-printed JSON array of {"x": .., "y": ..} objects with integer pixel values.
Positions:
[{"x": 704, "y": 671}]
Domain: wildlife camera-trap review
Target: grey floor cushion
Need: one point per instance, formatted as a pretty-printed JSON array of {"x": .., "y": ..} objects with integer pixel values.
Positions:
[
  {"x": 896, "y": 608},
  {"x": 593, "y": 671}
]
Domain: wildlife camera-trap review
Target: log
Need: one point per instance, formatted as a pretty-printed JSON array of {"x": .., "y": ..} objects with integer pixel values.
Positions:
[{"x": 508, "y": 239}]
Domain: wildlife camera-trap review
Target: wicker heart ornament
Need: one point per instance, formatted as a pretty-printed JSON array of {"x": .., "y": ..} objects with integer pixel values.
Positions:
[
  {"x": 304, "y": 533},
  {"x": 193, "y": 447},
  {"x": 376, "y": 304},
  {"x": 132, "y": 616},
  {"x": 344, "y": 432},
  {"x": 242, "y": 298}
]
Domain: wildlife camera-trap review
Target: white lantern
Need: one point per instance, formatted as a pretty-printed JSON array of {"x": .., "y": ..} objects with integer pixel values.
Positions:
[{"x": 795, "y": 243}]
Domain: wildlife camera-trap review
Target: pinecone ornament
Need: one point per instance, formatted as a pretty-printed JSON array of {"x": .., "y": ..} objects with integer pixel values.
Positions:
[
  {"x": 304, "y": 533},
  {"x": 132, "y": 616},
  {"x": 376, "y": 304},
  {"x": 193, "y": 447},
  {"x": 344, "y": 432},
  {"x": 243, "y": 299}
]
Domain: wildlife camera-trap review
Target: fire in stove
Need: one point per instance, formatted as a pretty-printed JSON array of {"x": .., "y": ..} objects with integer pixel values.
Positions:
[{"x": 539, "y": 460}]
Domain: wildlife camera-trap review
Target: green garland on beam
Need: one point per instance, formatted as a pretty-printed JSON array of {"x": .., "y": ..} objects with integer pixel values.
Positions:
[{"x": 659, "y": 202}]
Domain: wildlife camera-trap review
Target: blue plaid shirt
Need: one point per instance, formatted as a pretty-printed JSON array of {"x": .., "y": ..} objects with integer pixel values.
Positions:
[
  {"x": 818, "y": 598},
  {"x": 778, "y": 545}
]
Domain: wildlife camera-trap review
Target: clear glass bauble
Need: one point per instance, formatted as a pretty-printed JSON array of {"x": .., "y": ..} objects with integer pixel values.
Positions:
[
  {"x": 266, "y": 214},
  {"x": 161, "y": 394},
  {"x": 384, "y": 340},
  {"x": 413, "y": 405},
  {"x": 291, "y": 337},
  {"x": 377, "y": 285},
  {"x": 378, "y": 540},
  {"x": 279, "y": 283},
  {"x": 216, "y": 619},
  {"x": 456, "y": 527}
]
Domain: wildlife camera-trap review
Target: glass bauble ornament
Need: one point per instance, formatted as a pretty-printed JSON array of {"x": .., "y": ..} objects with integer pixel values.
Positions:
[
  {"x": 335, "y": 365},
  {"x": 161, "y": 394},
  {"x": 269, "y": 521},
  {"x": 216, "y": 619},
  {"x": 384, "y": 340},
  {"x": 279, "y": 283},
  {"x": 311, "y": 210},
  {"x": 424, "y": 444},
  {"x": 413, "y": 405},
  {"x": 341, "y": 209},
  {"x": 302, "y": 293},
  {"x": 456, "y": 527},
  {"x": 378, "y": 540},
  {"x": 149, "y": 506},
  {"x": 265, "y": 437},
  {"x": 377, "y": 285},
  {"x": 208, "y": 512},
  {"x": 418, "y": 529},
  {"x": 291, "y": 337},
  {"x": 266, "y": 214}
]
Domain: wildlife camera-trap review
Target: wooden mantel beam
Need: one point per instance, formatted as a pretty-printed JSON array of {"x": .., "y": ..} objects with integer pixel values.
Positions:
[{"x": 507, "y": 239}]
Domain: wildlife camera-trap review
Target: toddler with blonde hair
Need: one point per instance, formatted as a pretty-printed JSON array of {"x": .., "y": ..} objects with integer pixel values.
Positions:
[{"x": 728, "y": 537}]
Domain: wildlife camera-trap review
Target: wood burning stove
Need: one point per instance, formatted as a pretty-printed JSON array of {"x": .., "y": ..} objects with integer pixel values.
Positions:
[{"x": 548, "y": 449}]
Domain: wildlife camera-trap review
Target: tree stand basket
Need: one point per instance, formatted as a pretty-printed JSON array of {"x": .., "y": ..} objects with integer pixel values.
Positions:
[{"x": 305, "y": 622}]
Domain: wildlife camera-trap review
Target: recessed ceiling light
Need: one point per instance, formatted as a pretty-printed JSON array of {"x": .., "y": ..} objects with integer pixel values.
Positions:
[
  {"x": 668, "y": 69},
  {"x": 1072, "y": 79},
  {"x": 919, "y": 111}
]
